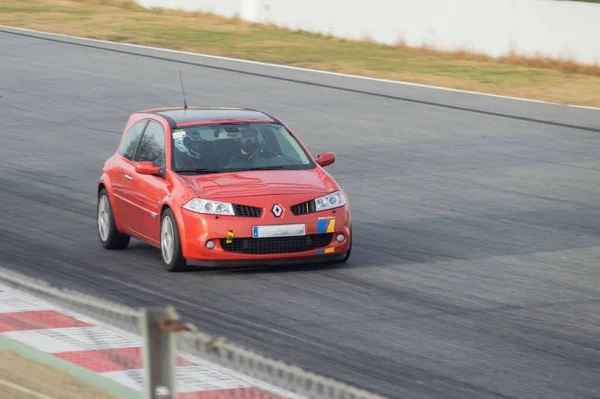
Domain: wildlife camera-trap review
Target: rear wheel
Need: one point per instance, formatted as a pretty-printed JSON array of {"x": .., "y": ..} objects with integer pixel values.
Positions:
[
  {"x": 110, "y": 237},
  {"x": 170, "y": 243}
]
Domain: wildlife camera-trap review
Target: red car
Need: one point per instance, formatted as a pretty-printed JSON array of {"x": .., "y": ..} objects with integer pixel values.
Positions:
[{"x": 220, "y": 186}]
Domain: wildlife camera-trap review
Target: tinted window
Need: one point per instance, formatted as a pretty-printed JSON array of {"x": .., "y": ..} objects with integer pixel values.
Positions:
[
  {"x": 131, "y": 138},
  {"x": 152, "y": 145}
]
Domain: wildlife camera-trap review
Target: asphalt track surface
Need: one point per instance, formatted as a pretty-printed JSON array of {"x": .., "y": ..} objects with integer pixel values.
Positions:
[{"x": 476, "y": 266}]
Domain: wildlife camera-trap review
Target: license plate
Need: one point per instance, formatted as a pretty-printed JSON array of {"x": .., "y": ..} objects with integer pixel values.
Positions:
[{"x": 279, "y": 230}]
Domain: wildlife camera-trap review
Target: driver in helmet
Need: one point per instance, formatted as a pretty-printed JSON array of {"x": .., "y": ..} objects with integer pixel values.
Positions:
[{"x": 248, "y": 142}]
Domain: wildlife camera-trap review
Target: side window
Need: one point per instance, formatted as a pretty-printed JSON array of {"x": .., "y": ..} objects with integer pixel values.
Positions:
[
  {"x": 152, "y": 145},
  {"x": 130, "y": 140}
]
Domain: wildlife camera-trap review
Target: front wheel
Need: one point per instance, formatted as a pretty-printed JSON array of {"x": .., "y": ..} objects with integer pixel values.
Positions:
[
  {"x": 110, "y": 237},
  {"x": 170, "y": 243}
]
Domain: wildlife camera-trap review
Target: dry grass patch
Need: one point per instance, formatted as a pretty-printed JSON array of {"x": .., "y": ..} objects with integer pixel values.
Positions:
[
  {"x": 125, "y": 21},
  {"x": 42, "y": 379}
]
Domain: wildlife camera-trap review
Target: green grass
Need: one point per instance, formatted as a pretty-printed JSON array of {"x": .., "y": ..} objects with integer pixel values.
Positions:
[{"x": 125, "y": 21}]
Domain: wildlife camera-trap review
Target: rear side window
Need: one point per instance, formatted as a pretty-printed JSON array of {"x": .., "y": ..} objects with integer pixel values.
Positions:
[
  {"x": 152, "y": 145},
  {"x": 130, "y": 140}
]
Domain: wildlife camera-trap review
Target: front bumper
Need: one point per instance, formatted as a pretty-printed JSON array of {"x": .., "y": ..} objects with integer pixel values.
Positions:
[{"x": 319, "y": 242}]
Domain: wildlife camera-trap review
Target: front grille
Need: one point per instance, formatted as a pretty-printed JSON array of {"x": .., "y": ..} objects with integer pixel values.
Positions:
[
  {"x": 247, "y": 211},
  {"x": 277, "y": 245},
  {"x": 304, "y": 208}
]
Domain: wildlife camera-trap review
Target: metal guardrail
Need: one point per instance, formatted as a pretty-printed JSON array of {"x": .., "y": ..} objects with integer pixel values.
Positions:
[{"x": 166, "y": 341}]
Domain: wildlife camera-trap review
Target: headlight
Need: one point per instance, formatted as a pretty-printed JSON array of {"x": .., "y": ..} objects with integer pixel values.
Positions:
[
  {"x": 210, "y": 207},
  {"x": 330, "y": 201}
]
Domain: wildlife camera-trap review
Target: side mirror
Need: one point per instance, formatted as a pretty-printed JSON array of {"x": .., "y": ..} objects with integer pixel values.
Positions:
[
  {"x": 326, "y": 159},
  {"x": 146, "y": 168}
]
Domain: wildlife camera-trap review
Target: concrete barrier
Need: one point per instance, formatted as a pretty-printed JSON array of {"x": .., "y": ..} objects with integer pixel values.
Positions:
[{"x": 547, "y": 28}]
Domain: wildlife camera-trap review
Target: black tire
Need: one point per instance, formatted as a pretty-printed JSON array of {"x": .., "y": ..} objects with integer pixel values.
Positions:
[
  {"x": 177, "y": 262},
  {"x": 114, "y": 239}
]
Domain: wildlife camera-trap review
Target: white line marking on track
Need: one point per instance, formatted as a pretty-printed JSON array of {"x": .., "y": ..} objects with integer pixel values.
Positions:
[
  {"x": 397, "y": 82},
  {"x": 131, "y": 378},
  {"x": 73, "y": 339},
  {"x": 189, "y": 379},
  {"x": 11, "y": 302},
  {"x": 24, "y": 390}
]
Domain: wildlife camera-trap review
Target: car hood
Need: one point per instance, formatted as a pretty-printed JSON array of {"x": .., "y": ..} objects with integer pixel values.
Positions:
[{"x": 264, "y": 182}]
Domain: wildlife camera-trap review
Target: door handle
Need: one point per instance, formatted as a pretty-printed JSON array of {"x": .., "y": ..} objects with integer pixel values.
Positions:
[{"x": 128, "y": 177}]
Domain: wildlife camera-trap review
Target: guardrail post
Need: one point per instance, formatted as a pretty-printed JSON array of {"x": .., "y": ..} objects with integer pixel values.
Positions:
[{"x": 159, "y": 353}]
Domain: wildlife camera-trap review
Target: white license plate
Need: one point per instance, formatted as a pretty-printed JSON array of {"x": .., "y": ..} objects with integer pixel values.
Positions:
[{"x": 279, "y": 230}]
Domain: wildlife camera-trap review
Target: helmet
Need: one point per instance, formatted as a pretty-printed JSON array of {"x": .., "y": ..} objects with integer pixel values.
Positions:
[{"x": 188, "y": 142}]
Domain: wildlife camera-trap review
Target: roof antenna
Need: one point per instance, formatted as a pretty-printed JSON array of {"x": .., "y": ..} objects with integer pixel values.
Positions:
[{"x": 184, "y": 101}]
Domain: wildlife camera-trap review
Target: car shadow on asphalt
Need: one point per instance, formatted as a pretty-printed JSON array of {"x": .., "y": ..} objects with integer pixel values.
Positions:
[{"x": 152, "y": 254}]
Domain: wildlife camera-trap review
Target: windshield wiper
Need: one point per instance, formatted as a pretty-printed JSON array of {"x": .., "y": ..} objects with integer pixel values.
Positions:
[
  {"x": 198, "y": 170},
  {"x": 268, "y": 168}
]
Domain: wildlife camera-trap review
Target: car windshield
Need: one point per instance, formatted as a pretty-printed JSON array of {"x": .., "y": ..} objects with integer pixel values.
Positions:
[{"x": 236, "y": 147}]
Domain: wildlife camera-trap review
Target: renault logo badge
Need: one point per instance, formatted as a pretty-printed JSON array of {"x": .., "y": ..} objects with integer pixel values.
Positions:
[{"x": 277, "y": 211}]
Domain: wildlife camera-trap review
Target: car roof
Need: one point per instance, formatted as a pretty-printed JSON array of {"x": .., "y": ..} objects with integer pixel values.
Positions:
[{"x": 184, "y": 116}]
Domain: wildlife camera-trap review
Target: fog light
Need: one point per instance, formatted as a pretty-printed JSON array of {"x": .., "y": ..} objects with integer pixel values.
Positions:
[
  {"x": 210, "y": 244},
  {"x": 340, "y": 238}
]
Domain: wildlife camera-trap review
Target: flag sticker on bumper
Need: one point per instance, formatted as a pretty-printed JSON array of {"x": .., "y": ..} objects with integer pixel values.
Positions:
[
  {"x": 326, "y": 226},
  {"x": 325, "y": 251}
]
